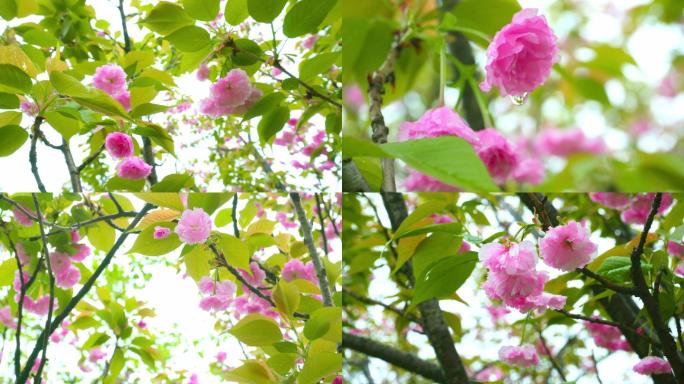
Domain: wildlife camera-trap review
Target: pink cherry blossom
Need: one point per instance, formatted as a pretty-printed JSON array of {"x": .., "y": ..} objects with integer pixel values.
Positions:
[
  {"x": 134, "y": 168},
  {"x": 607, "y": 336},
  {"x": 465, "y": 247},
  {"x": 59, "y": 262},
  {"x": 523, "y": 356},
  {"x": 233, "y": 89},
  {"x": 124, "y": 98},
  {"x": 221, "y": 356},
  {"x": 295, "y": 269},
  {"x": 652, "y": 365},
  {"x": 75, "y": 236},
  {"x": 29, "y": 108},
  {"x": 203, "y": 72},
  {"x": 566, "y": 142},
  {"x": 337, "y": 380},
  {"x": 82, "y": 252},
  {"x": 194, "y": 226},
  {"x": 193, "y": 379},
  {"x": 354, "y": 98},
  {"x": 39, "y": 307},
  {"x": 442, "y": 219},
  {"x": 640, "y": 207},
  {"x": 310, "y": 41},
  {"x": 497, "y": 154},
  {"x": 6, "y": 318},
  {"x": 491, "y": 373},
  {"x": 254, "y": 278},
  {"x": 511, "y": 259},
  {"x": 96, "y": 354},
  {"x": 161, "y": 232},
  {"x": 23, "y": 257},
  {"x": 284, "y": 221},
  {"x": 613, "y": 200},
  {"x": 567, "y": 247},
  {"x": 669, "y": 85},
  {"x": 110, "y": 78},
  {"x": 497, "y": 312},
  {"x": 68, "y": 277},
  {"x": 417, "y": 181},
  {"x": 675, "y": 249},
  {"x": 521, "y": 55},
  {"x": 435, "y": 123},
  {"x": 530, "y": 170},
  {"x": 21, "y": 217},
  {"x": 119, "y": 145}
]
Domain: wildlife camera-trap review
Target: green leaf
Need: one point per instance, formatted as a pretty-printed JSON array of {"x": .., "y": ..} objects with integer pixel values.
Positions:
[
  {"x": 282, "y": 362},
  {"x": 450, "y": 159},
  {"x": 10, "y": 118},
  {"x": 325, "y": 323},
  {"x": 198, "y": 262},
  {"x": 147, "y": 109},
  {"x": 174, "y": 183},
  {"x": 366, "y": 45},
  {"x": 236, "y": 12},
  {"x": 452, "y": 228},
  {"x": 157, "y": 134},
  {"x": 286, "y": 297},
  {"x": 265, "y": 104},
  {"x": 235, "y": 251},
  {"x": 308, "y": 69},
  {"x": 189, "y": 39},
  {"x": 8, "y": 101},
  {"x": 422, "y": 211},
  {"x": 433, "y": 249},
  {"x": 264, "y": 11},
  {"x": 444, "y": 277},
  {"x": 101, "y": 236},
  {"x": 209, "y": 202},
  {"x": 247, "y": 52},
  {"x": 8, "y": 9},
  {"x": 116, "y": 364},
  {"x": 13, "y": 79},
  {"x": 305, "y": 16},
  {"x": 205, "y": 10},
  {"x": 146, "y": 244},
  {"x": 618, "y": 268},
  {"x": 40, "y": 38},
  {"x": 12, "y": 54},
  {"x": 167, "y": 200},
  {"x": 318, "y": 366},
  {"x": 166, "y": 18},
  {"x": 488, "y": 20},
  {"x": 65, "y": 124},
  {"x": 257, "y": 330},
  {"x": 252, "y": 372},
  {"x": 91, "y": 98},
  {"x": 12, "y": 138},
  {"x": 272, "y": 123}
]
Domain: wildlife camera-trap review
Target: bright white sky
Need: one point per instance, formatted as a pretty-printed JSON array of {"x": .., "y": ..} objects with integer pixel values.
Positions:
[
  {"x": 615, "y": 369},
  {"x": 51, "y": 162},
  {"x": 175, "y": 299}
]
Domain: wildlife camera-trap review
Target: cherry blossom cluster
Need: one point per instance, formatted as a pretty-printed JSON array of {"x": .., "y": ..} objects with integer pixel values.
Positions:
[
  {"x": 120, "y": 146},
  {"x": 635, "y": 208},
  {"x": 231, "y": 94},
  {"x": 66, "y": 273},
  {"x": 111, "y": 78},
  {"x": 294, "y": 138}
]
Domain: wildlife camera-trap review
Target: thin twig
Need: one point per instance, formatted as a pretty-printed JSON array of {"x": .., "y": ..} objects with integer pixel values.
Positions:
[
  {"x": 308, "y": 240},
  {"x": 607, "y": 283},
  {"x": 607, "y": 322},
  {"x": 554, "y": 363},
  {"x": 593, "y": 358},
  {"x": 33, "y": 155},
  {"x": 233, "y": 213},
  {"x": 89, "y": 159}
]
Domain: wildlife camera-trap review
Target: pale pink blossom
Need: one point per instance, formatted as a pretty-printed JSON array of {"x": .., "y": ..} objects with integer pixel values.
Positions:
[
  {"x": 161, "y": 232},
  {"x": 521, "y": 55},
  {"x": 437, "y": 122},
  {"x": 640, "y": 206},
  {"x": 675, "y": 249},
  {"x": 75, "y": 236},
  {"x": 567, "y": 247},
  {"x": 193, "y": 379},
  {"x": 284, "y": 221},
  {"x": 68, "y": 277},
  {"x": 39, "y": 307},
  {"x": 124, "y": 98},
  {"x": 194, "y": 226},
  {"x": 567, "y": 142},
  {"x": 29, "y": 108},
  {"x": 497, "y": 154},
  {"x": 221, "y": 356},
  {"x": 354, "y": 98},
  {"x": 669, "y": 85},
  {"x": 203, "y": 72},
  {"x": 310, "y": 41},
  {"x": 96, "y": 354},
  {"x": 613, "y": 200},
  {"x": 82, "y": 252},
  {"x": 653, "y": 365},
  {"x": 529, "y": 170},
  {"x": 416, "y": 181},
  {"x": 21, "y": 217},
  {"x": 6, "y": 318},
  {"x": 295, "y": 269},
  {"x": 511, "y": 259},
  {"x": 134, "y": 168},
  {"x": 491, "y": 373},
  {"x": 497, "y": 312},
  {"x": 442, "y": 219},
  {"x": 523, "y": 356},
  {"x": 256, "y": 275},
  {"x": 23, "y": 257},
  {"x": 110, "y": 78},
  {"x": 607, "y": 336},
  {"x": 59, "y": 262},
  {"x": 119, "y": 145}
]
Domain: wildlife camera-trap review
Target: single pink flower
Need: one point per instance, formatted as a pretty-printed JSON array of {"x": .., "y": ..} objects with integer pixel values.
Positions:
[
  {"x": 119, "y": 145},
  {"x": 194, "y": 226},
  {"x": 82, "y": 252},
  {"x": 337, "y": 380},
  {"x": 435, "y": 123},
  {"x": 610, "y": 199},
  {"x": 193, "y": 379},
  {"x": 511, "y": 259},
  {"x": 23, "y": 257},
  {"x": 203, "y": 72},
  {"x": 354, "y": 98},
  {"x": 284, "y": 221},
  {"x": 161, "y": 232},
  {"x": 567, "y": 142},
  {"x": 497, "y": 312},
  {"x": 567, "y": 247},
  {"x": 497, "y": 154},
  {"x": 29, "y": 108},
  {"x": 256, "y": 275},
  {"x": 75, "y": 236},
  {"x": 6, "y": 318},
  {"x": 95, "y": 355},
  {"x": 221, "y": 356},
  {"x": 521, "y": 55},
  {"x": 110, "y": 78},
  {"x": 134, "y": 168},
  {"x": 233, "y": 89},
  {"x": 295, "y": 269},
  {"x": 68, "y": 277},
  {"x": 652, "y": 365},
  {"x": 310, "y": 41},
  {"x": 675, "y": 249},
  {"x": 59, "y": 262},
  {"x": 523, "y": 356},
  {"x": 124, "y": 98}
]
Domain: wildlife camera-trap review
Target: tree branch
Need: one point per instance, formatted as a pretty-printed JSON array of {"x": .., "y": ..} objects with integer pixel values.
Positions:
[
  {"x": 80, "y": 295},
  {"x": 33, "y": 156},
  {"x": 607, "y": 283},
  {"x": 320, "y": 219},
  {"x": 71, "y": 166},
  {"x": 89, "y": 159},
  {"x": 233, "y": 213},
  {"x": 352, "y": 179},
  {"x": 308, "y": 240},
  {"x": 652, "y": 307},
  {"x": 396, "y": 357}
]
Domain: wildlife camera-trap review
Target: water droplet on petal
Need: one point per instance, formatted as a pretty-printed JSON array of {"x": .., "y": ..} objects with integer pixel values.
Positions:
[{"x": 519, "y": 99}]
